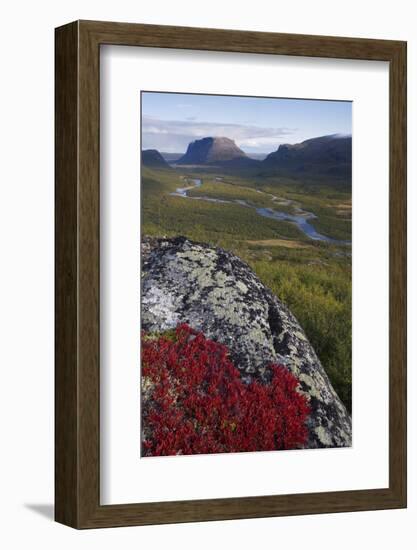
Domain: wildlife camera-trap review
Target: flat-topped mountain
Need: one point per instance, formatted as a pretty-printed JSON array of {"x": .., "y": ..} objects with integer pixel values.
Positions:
[
  {"x": 211, "y": 150},
  {"x": 154, "y": 159},
  {"x": 326, "y": 155}
]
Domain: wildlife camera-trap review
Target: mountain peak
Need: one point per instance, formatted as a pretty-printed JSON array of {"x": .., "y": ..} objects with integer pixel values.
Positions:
[
  {"x": 210, "y": 150},
  {"x": 154, "y": 159},
  {"x": 331, "y": 154}
]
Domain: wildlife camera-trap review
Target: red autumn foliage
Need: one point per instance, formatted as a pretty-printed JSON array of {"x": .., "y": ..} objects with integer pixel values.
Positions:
[{"x": 194, "y": 400}]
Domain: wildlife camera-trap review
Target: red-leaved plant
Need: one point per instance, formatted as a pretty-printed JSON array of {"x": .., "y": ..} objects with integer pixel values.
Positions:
[{"x": 194, "y": 400}]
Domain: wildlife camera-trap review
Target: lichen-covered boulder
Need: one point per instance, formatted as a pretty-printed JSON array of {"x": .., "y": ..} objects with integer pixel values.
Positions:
[{"x": 215, "y": 292}]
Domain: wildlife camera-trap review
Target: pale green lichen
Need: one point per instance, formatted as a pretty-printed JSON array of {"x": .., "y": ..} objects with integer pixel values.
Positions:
[
  {"x": 202, "y": 277},
  {"x": 298, "y": 334},
  {"x": 203, "y": 256},
  {"x": 242, "y": 287},
  {"x": 221, "y": 278},
  {"x": 323, "y": 436},
  {"x": 310, "y": 383}
]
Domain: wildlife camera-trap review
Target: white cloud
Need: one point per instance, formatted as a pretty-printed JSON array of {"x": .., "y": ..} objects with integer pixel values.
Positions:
[{"x": 175, "y": 135}]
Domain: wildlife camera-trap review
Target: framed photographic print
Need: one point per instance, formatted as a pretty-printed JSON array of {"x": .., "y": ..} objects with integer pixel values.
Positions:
[{"x": 230, "y": 274}]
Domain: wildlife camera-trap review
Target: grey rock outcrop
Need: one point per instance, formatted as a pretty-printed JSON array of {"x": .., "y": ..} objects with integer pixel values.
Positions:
[{"x": 215, "y": 292}]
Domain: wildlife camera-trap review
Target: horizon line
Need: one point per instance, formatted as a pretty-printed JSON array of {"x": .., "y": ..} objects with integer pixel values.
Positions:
[{"x": 339, "y": 134}]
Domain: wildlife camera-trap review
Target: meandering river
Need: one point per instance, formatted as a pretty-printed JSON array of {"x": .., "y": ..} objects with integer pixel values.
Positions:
[{"x": 301, "y": 219}]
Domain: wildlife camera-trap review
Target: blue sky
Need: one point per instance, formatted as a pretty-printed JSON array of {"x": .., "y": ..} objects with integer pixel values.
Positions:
[{"x": 258, "y": 125}]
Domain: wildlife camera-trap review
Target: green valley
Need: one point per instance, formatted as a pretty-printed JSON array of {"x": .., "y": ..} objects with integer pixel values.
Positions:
[{"x": 234, "y": 209}]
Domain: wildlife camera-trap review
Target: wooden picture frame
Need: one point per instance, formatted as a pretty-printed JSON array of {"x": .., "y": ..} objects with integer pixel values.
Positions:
[{"x": 77, "y": 405}]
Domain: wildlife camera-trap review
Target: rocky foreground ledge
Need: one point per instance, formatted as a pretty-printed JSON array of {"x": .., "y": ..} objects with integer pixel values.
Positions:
[{"x": 215, "y": 292}]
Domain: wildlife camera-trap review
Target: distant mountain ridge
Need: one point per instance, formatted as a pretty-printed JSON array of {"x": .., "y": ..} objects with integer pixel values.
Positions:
[
  {"x": 154, "y": 159},
  {"x": 330, "y": 154}
]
